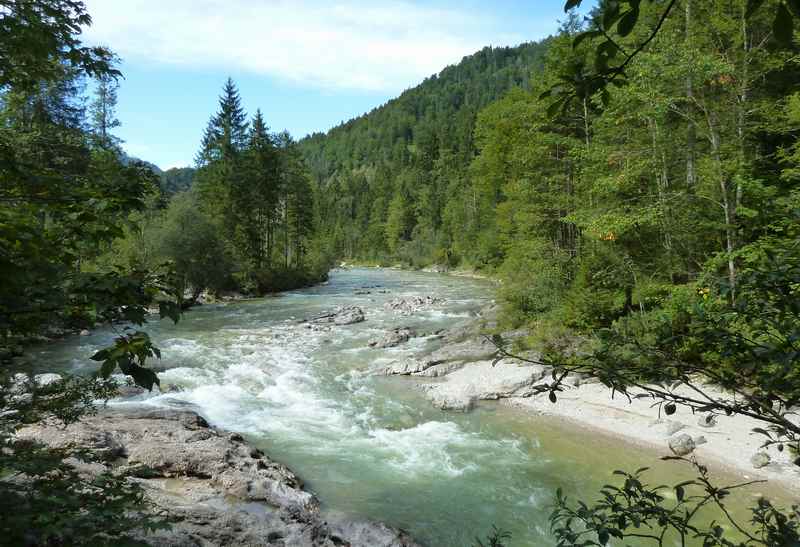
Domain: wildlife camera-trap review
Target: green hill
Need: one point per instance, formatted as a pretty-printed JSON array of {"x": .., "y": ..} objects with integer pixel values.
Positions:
[{"x": 382, "y": 177}]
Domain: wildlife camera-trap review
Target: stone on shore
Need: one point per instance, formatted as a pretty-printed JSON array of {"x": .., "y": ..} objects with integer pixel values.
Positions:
[
  {"x": 483, "y": 381},
  {"x": 707, "y": 420},
  {"x": 682, "y": 445},
  {"x": 219, "y": 489},
  {"x": 760, "y": 459}
]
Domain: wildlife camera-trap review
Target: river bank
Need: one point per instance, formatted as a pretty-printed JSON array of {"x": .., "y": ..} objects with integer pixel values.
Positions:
[
  {"x": 467, "y": 370},
  {"x": 214, "y": 487},
  {"x": 437, "y": 269}
]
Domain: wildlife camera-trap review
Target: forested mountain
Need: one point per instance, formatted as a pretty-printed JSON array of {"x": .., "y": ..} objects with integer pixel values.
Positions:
[
  {"x": 620, "y": 194},
  {"x": 177, "y": 179},
  {"x": 385, "y": 175}
]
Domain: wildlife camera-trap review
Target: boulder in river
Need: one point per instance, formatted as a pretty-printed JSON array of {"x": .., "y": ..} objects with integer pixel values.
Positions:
[
  {"x": 221, "y": 490},
  {"x": 393, "y": 338},
  {"x": 348, "y": 316},
  {"x": 483, "y": 381},
  {"x": 403, "y": 367},
  {"x": 49, "y": 378},
  {"x": 343, "y": 315},
  {"x": 411, "y": 304}
]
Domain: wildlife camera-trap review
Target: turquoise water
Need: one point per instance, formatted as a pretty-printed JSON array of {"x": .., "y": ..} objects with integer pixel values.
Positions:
[{"x": 371, "y": 447}]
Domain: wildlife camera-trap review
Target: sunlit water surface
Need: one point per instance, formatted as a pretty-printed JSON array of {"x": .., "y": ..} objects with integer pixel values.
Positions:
[{"x": 371, "y": 446}]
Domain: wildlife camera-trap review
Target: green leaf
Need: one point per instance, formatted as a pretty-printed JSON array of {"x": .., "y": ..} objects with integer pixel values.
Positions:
[
  {"x": 569, "y": 4},
  {"x": 498, "y": 341},
  {"x": 101, "y": 355},
  {"x": 794, "y": 5},
  {"x": 169, "y": 309},
  {"x": 679, "y": 492},
  {"x": 627, "y": 22},
  {"x": 144, "y": 377},
  {"x": 107, "y": 368},
  {"x": 783, "y": 26},
  {"x": 610, "y": 14},
  {"x": 669, "y": 409},
  {"x": 553, "y": 397}
]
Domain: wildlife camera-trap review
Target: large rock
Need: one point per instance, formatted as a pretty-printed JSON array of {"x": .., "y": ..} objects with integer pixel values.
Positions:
[
  {"x": 403, "y": 367},
  {"x": 466, "y": 351},
  {"x": 348, "y": 316},
  {"x": 345, "y": 315},
  {"x": 760, "y": 459},
  {"x": 682, "y": 445},
  {"x": 44, "y": 380},
  {"x": 219, "y": 489},
  {"x": 442, "y": 369},
  {"x": 412, "y": 304},
  {"x": 483, "y": 381},
  {"x": 393, "y": 338},
  {"x": 453, "y": 355}
]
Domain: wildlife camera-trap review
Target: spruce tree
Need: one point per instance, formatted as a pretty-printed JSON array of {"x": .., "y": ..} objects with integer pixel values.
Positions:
[
  {"x": 254, "y": 196},
  {"x": 226, "y": 133},
  {"x": 102, "y": 111}
]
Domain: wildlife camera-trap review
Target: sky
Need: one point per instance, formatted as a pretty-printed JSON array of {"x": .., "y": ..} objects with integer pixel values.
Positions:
[{"x": 307, "y": 64}]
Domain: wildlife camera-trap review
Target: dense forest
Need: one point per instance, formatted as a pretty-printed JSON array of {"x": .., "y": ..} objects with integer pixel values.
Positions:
[
  {"x": 614, "y": 201},
  {"x": 396, "y": 179},
  {"x": 241, "y": 220}
]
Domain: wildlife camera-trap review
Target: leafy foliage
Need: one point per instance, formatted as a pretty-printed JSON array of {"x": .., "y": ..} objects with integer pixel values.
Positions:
[
  {"x": 669, "y": 515},
  {"x": 66, "y": 191}
]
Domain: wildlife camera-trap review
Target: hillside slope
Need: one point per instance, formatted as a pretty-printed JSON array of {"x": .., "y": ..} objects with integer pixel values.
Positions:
[{"x": 382, "y": 178}]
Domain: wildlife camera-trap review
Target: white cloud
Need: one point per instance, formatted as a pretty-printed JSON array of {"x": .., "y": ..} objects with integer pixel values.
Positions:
[{"x": 347, "y": 44}]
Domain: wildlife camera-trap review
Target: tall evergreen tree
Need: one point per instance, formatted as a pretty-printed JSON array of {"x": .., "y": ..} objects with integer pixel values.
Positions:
[
  {"x": 258, "y": 192},
  {"x": 226, "y": 133},
  {"x": 102, "y": 111}
]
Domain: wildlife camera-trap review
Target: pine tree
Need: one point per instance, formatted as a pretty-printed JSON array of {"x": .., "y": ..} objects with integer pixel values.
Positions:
[
  {"x": 259, "y": 192},
  {"x": 226, "y": 133},
  {"x": 102, "y": 111}
]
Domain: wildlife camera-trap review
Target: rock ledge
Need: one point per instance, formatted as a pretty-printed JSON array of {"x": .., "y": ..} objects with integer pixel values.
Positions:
[{"x": 220, "y": 489}]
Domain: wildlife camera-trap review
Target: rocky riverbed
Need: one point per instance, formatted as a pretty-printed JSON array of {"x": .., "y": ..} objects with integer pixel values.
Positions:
[
  {"x": 468, "y": 369},
  {"x": 217, "y": 488}
]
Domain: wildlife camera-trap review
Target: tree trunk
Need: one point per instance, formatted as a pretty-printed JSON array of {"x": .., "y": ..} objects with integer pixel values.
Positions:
[
  {"x": 691, "y": 133},
  {"x": 728, "y": 204}
]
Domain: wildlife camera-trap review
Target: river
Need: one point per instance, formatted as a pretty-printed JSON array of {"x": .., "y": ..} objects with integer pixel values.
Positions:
[{"x": 369, "y": 446}]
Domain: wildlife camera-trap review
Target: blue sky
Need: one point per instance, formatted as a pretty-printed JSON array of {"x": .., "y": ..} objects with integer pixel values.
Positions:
[{"x": 308, "y": 64}]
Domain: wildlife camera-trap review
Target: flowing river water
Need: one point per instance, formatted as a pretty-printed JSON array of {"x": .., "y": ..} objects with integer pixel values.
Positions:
[{"x": 370, "y": 446}]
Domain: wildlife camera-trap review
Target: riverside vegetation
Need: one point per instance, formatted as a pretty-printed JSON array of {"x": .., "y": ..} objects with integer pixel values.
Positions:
[{"x": 632, "y": 181}]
